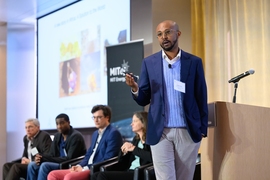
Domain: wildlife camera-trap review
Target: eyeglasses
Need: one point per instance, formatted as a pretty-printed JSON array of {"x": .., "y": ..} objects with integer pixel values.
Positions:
[
  {"x": 167, "y": 32},
  {"x": 97, "y": 117},
  {"x": 29, "y": 127}
]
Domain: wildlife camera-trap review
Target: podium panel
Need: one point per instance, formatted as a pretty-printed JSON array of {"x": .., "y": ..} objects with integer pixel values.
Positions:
[{"x": 238, "y": 146}]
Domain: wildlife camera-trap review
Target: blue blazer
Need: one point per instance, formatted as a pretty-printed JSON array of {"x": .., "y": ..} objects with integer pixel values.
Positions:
[
  {"x": 151, "y": 91},
  {"x": 108, "y": 147}
]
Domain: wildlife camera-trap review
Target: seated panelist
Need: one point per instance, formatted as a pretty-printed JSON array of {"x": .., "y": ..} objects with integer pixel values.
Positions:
[
  {"x": 67, "y": 144},
  {"x": 106, "y": 143},
  {"x": 35, "y": 140},
  {"x": 133, "y": 154}
]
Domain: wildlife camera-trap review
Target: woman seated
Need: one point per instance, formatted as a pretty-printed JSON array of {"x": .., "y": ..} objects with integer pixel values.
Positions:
[{"x": 132, "y": 154}]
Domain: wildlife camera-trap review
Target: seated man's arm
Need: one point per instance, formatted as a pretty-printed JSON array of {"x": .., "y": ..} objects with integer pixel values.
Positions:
[
  {"x": 114, "y": 144},
  {"x": 46, "y": 143},
  {"x": 42, "y": 143}
]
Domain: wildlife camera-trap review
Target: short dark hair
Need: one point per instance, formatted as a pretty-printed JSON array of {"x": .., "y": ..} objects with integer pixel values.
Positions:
[
  {"x": 107, "y": 112},
  {"x": 64, "y": 116}
]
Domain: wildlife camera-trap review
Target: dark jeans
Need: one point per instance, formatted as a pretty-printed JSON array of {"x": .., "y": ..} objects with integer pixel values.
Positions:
[{"x": 41, "y": 172}]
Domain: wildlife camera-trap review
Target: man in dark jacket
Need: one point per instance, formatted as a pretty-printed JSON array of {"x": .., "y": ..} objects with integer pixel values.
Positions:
[
  {"x": 68, "y": 143},
  {"x": 34, "y": 139},
  {"x": 105, "y": 144}
]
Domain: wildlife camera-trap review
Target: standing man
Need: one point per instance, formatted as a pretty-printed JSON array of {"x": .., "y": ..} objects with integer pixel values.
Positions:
[
  {"x": 34, "y": 139},
  {"x": 68, "y": 143},
  {"x": 106, "y": 143},
  {"x": 173, "y": 82}
]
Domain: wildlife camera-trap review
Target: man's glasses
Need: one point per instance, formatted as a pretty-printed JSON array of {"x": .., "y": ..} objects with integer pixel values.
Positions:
[
  {"x": 166, "y": 33},
  {"x": 29, "y": 127},
  {"x": 97, "y": 117}
]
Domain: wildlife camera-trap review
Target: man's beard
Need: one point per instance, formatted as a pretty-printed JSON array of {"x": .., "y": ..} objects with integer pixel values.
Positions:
[{"x": 170, "y": 47}]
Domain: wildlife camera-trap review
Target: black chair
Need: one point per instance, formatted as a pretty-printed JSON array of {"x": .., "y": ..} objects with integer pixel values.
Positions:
[
  {"x": 117, "y": 166},
  {"x": 139, "y": 171},
  {"x": 197, "y": 173},
  {"x": 93, "y": 168},
  {"x": 96, "y": 167},
  {"x": 149, "y": 172},
  {"x": 67, "y": 164}
]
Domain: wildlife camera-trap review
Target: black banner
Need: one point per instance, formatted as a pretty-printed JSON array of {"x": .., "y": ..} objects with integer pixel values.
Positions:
[{"x": 122, "y": 58}]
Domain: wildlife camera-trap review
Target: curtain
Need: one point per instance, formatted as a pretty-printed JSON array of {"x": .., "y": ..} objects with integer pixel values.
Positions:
[{"x": 233, "y": 36}]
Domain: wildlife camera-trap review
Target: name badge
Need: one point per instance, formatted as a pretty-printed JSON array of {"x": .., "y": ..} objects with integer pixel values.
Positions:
[
  {"x": 65, "y": 152},
  {"x": 179, "y": 86},
  {"x": 34, "y": 151}
]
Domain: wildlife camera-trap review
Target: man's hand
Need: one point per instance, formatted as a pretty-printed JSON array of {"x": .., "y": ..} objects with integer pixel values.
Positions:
[
  {"x": 76, "y": 169},
  {"x": 25, "y": 160},
  {"x": 38, "y": 159},
  {"x": 130, "y": 82}
]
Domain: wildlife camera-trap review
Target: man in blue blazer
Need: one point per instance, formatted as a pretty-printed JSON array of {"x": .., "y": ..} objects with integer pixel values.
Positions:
[
  {"x": 106, "y": 143},
  {"x": 173, "y": 82}
]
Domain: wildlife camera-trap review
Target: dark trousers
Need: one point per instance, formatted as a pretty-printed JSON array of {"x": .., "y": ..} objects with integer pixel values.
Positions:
[
  {"x": 14, "y": 171},
  {"x": 113, "y": 175}
]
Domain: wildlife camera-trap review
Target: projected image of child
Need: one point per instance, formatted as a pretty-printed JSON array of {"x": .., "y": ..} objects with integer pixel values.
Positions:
[
  {"x": 69, "y": 78},
  {"x": 63, "y": 79},
  {"x": 72, "y": 78}
]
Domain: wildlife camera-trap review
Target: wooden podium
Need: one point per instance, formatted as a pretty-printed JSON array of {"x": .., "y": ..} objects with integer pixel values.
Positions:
[{"x": 238, "y": 147}]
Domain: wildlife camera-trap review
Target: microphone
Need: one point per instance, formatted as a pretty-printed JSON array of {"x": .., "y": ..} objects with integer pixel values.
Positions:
[
  {"x": 240, "y": 76},
  {"x": 170, "y": 66}
]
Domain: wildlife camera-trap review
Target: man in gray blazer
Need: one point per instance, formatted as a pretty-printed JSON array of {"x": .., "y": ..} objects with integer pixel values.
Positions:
[{"x": 35, "y": 140}]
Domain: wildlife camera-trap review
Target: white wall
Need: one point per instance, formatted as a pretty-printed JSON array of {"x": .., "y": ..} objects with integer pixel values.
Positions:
[{"x": 21, "y": 85}]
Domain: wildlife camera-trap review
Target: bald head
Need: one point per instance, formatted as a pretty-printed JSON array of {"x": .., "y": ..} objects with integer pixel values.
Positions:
[
  {"x": 168, "y": 24},
  {"x": 167, "y": 34}
]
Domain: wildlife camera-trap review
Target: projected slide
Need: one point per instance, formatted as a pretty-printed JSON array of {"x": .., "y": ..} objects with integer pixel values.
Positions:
[
  {"x": 72, "y": 72},
  {"x": 80, "y": 64}
]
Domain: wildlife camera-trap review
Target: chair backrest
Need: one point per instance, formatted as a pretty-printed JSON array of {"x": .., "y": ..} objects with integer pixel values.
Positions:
[
  {"x": 113, "y": 166},
  {"x": 118, "y": 166},
  {"x": 97, "y": 166},
  {"x": 71, "y": 162},
  {"x": 149, "y": 173},
  {"x": 139, "y": 171},
  {"x": 197, "y": 172}
]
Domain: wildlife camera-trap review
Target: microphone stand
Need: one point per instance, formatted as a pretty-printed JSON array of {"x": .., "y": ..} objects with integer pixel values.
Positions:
[{"x": 235, "y": 89}]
